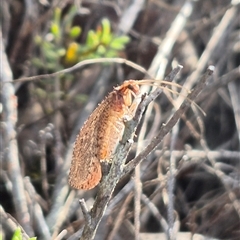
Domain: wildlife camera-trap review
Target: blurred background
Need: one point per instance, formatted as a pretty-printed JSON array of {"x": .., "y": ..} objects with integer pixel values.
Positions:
[{"x": 40, "y": 118}]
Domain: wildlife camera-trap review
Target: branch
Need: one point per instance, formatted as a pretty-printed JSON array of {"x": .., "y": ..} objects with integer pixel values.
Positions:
[
  {"x": 81, "y": 65},
  {"x": 9, "y": 102},
  {"x": 37, "y": 212}
]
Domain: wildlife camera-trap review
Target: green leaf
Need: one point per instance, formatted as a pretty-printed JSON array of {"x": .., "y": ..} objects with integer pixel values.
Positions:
[
  {"x": 111, "y": 53},
  {"x": 106, "y": 27},
  {"x": 106, "y": 32},
  {"x": 17, "y": 234},
  {"x": 68, "y": 18},
  {"x": 51, "y": 55},
  {"x": 61, "y": 52},
  {"x": 55, "y": 30},
  {"x": 123, "y": 39},
  {"x": 106, "y": 39},
  {"x": 119, "y": 43},
  {"x": 101, "y": 50},
  {"x": 92, "y": 39},
  {"x": 75, "y": 32},
  {"x": 57, "y": 15}
]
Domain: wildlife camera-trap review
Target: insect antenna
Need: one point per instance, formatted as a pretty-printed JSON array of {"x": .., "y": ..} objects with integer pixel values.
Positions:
[{"x": 156, "y": 83}]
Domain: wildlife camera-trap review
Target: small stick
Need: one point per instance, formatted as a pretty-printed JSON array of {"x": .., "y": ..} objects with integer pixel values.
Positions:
[
  {"x": 80, "y": 65},
  {"x": 85, "y": 211}
]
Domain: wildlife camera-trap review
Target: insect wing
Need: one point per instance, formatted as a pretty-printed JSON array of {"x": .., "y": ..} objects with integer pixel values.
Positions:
[{"x": 85, "y": 171}]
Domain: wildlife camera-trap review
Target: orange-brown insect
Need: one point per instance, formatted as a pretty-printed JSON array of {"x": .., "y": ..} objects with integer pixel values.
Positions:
[{"x": 100, "y": 134}]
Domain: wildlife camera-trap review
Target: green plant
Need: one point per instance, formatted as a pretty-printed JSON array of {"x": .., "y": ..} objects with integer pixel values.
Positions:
[
  {"x": 17, "y": 235},
  {"x": 102, "y": 42},
  {"x": 60, "y": 48}
]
